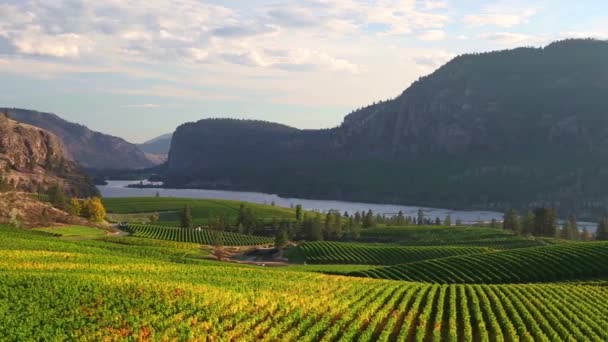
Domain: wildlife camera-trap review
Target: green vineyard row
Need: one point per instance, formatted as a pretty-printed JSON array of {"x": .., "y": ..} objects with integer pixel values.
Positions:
[
  {"x": 538, "y": 264},
  {"x": 200, "y": 236},
  {"x": 352, "y": 253}
]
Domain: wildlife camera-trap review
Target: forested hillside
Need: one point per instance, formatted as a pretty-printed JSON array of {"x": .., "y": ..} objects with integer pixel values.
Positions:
[{"x": 494, "y": 130}]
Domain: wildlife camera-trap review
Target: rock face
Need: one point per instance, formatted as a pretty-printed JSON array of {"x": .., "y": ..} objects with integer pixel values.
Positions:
[
  {"x": 32, "y": 159},
  {"x": 90, "y": 149},
  {"x": 157, "y": 149},
  {"x": 511, "y": 128}
]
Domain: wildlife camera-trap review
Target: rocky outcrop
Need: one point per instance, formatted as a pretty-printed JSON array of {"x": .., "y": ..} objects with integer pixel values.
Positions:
[
  {"x": 33, "y": 159},
  {"x": 92, "y": 150}
]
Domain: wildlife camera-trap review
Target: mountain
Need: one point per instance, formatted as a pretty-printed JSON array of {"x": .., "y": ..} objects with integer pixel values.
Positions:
[
  {"x": 89, "y": 148},
  {"x": 158, "y": 145},
  {"x": 157, "y": 149},
  {"x": 33, "y": 159},
  {"x": 503, "y": 129}
]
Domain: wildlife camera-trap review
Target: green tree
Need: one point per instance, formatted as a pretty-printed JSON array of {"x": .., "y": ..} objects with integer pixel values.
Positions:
[
  {"x": 437, "y": 221},
  {"x": 75, "y": 207},
  {"x": 572, "y": 226},
  {"x": 602, "y": 229},
  {"x": 368, "y": 219},
  {"x": 316, "y": 231},
  {"x": 545, "y": 222},
  {"x": 57, "y": 196},
  {"x": 447, "y": 221},
  {"x": 511, "y": 221},
  {"x": 528, "y": 223},
  {"x": 186, "y": 217},
  {"x": 280, "y": 241},
  {"x": 299, "y": 213},
  {"x": 420, "y": 219}
]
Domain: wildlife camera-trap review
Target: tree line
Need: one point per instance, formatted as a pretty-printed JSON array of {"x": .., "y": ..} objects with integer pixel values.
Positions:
[{"x": 543, "y": 222}]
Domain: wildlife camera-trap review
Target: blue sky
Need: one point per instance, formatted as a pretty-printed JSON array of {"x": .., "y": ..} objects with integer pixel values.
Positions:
[{"x": 139, "y": 68}]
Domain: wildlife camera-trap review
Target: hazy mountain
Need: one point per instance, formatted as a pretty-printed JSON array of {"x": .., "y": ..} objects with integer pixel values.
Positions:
[
  {"x": 158, "y": 145},
  {"x": 157, "y": 149},
  {"x": 491, "y": 130},
  {"x": 89, "y": 148},
  {"x": 33, "y": 159}
]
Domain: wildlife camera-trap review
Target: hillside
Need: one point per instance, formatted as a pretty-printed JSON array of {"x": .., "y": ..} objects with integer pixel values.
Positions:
[
  {"x": 492, "y": 130},
  {"x": 33, "y": 159},
  {"x": 159, "y": 145},
  {"x": 89, "y": 148}
]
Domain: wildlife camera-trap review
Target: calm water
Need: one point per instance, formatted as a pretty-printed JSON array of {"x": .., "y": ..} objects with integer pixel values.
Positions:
[{"x": 119, "y": 189}]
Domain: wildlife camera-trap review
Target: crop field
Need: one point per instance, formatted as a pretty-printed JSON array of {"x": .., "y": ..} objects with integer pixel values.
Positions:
[
  {"x": 202, "y": 236},
  {"x": 202, "y": 209},
  {"x": 537, "y": 264},
  {"x": 449, "y": 236},
  {"x": 74, "y": 231},
  {"x": 111, "y": 289},
  {"x": 358, "y": 253}
]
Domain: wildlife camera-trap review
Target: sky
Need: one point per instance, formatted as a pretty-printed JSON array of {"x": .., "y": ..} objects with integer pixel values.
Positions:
[{"x": 138, "y": 69}]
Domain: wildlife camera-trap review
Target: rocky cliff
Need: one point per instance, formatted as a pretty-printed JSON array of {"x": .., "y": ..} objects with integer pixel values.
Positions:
[
  {"x": 33, "y": 159},
  {"x": 90, "y": 149}
]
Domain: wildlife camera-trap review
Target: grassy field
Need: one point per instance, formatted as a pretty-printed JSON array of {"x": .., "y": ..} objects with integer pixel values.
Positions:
[
  {"x": 123, "y": 288},
  {"x": 202, "y": 209},
  {"x": 75, "y": 231},
  {"x": 536, "y": 264}
]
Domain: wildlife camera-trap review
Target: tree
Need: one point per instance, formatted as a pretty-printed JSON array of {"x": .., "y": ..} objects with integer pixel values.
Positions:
[
  {"x": 186, "y": 217},
  {"x": 316, "y": 231},
  {"x": 437, "y": 221},
  {"x": 528, "y": 223},
  {"x": 420, "y": 219},
  {"x": 572, "y": 228},
  {"x": 217, "y": 241},
  {"x": 97, "y": 212},
  {"x": 57, "y": 196},
  {"x": 447, "y": 221},
  {"x": 585, "y": 236},
  {"x": 602, "y": 229},
  {"x": 74, "y": 207},
  {"x": 368, "y": 219},
  {"x": 299, "y": 213},
  {"x": 545, "y": 222},
  {"x": 280, "y": 241},
  {"x": 511, "y": 221}
]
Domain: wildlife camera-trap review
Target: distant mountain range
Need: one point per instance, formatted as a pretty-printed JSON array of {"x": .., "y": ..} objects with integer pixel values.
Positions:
[
  {"x": 494, "y": 130},
  {"x": 92, "y": 150}
]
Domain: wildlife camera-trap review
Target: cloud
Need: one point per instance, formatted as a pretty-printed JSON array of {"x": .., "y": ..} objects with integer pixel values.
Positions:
[
  {"x": 146, "y": 105},
  {"x": 511, "y": 38},
  {"x": 432, "y": 60},
  {"x": 432, "y": 35},
  {"x": 499, "y": 18}
]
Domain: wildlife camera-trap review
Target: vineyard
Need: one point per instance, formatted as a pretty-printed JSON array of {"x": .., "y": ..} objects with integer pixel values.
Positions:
[
  {"x": 539, "y": 264},
  {"x": 448, "y": 236},
  {"x": 202, "y": 209},
  {"x": 351, "y": 253},
  {"x": 200, "y": 236},
  {"x": 55, "y": 289}
]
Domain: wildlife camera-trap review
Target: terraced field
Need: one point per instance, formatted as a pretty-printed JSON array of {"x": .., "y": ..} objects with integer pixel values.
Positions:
[
  {"x": 357, "y": 253},
  {"x": 539, "y": 264},
  {"x": 57, "y": 289},
  {"x": 449, "y": 236},
  {"x": 202, "y": 236}
]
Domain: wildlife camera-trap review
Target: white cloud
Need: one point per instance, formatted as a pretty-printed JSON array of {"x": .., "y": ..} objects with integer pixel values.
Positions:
[
  {"x": 432, "y": 35},
  {"x": 500, "y": 18},
  {"x": 511, "y": 38},
  {"x": 145, "y": 105}
]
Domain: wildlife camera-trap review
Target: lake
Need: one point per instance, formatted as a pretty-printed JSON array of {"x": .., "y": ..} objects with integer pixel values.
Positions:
[{"x": 119, "y": 189}]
